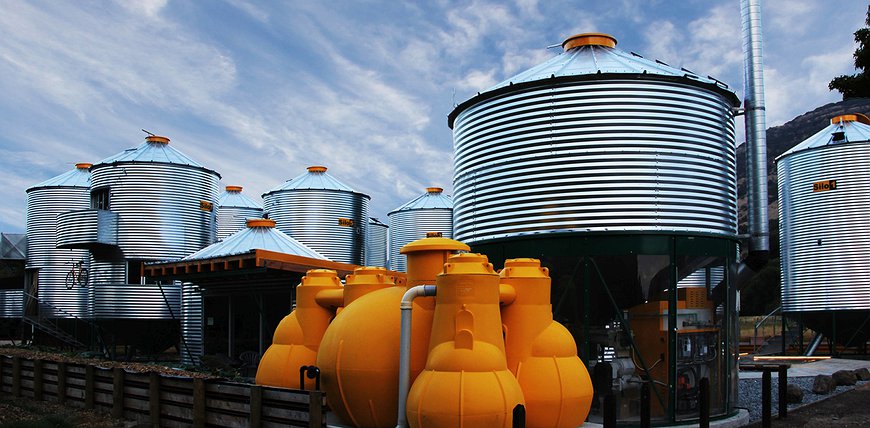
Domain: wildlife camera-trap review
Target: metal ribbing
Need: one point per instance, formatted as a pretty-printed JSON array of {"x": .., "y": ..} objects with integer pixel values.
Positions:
[
  {"x": 107, "y": 271},
  {"x": 825, "y": 236},
  {"x": 52, "y": 264},
  {"x": 158, "y": 206},
  {"x": 11, "y": 303},
  {"x": 411, "y": 225},
  {"x": 232, "y": 219},
  {"x": 756, "y": 127},
  {"x": 699, "y": 277},
  {"x": 313, "y": 218},
  {"x": 595, "y": 155},
  {"x": 86, "y": 227},
  {"x": 133, "y": 301},
  {"x": 376, "y": 243},
  {"x": 191, "y": 324}
]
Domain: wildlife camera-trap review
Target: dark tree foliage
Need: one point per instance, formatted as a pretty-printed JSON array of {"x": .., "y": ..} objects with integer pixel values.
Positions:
[{"x": 857, "y": 85}]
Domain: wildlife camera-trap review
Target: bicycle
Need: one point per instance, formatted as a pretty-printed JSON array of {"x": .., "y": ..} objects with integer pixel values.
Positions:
[{"x": 78, "y": 275}]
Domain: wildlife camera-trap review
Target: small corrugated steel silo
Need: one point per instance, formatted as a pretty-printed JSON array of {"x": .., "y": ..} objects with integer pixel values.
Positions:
[
  {"x": 824, "y": 192},
  {"x": 322, "y": 213},
  {"x": 376, "y": 243},
  {"x": 47, "y": 264},
  {"x": 233, "y": 210},
  {"x": 429, "y": 212}
]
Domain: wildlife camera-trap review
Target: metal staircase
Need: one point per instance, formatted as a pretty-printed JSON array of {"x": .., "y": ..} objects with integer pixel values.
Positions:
[
  {"x": 48, "y": 320},
  {"x": 790, "y": 333}
]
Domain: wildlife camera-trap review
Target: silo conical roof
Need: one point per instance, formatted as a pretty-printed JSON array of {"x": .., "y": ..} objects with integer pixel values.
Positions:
[
  {"x": 594, "y": 56},
  {"x": 78, "y": 177},
  {"x": 847, "y": 128},
  {"x": 155, "y": 149},
  {"x": 315, "y": 178},
  {"x": 434, "y": 198},
  {"x": 260, "y": 234},
  {"x": 233, "y": 197}
]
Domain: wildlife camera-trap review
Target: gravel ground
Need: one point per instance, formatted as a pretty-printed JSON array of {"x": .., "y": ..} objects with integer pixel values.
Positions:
[{"x": 750, "y": 394}]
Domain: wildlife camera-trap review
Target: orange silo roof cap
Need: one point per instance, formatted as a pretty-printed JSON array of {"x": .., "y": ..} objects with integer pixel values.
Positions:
[
  {"x": 260, "y": 222},
  {"x": 853, "y": 117},
  {"x": 234, "y": 188},
  {"x": 589, "y": 39},
  {"x": 157, "y": 139},
  {"x": 84, "y": 165},
  {"x": 434, "y": 190},
  {"x": 316, "y": 168}
]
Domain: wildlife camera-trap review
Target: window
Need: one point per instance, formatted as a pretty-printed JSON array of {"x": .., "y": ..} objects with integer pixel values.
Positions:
[{"x": 100, "y": 198}]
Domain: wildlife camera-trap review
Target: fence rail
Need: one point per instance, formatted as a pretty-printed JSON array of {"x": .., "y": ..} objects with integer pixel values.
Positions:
[{"x": 160, "y": 400}]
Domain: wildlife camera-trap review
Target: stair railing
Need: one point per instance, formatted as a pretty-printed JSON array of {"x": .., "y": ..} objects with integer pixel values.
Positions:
[{"x": 761, "y": 323}]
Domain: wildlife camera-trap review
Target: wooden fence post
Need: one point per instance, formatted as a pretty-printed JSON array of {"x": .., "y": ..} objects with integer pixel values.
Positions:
[
  {"x": 89, "y": 387},
  {"x": 315, "y": 409},
  {"x": 2, "y": 377},
  {"x": 16, "y": 376},
  {"x": 38, "y": 386},
  {"x": 118, "y": 392},
  {"x": 154, "y": 398},
  {"x": 256, "y": 406},
  {"x": 198, "y": 403},
  {"x": 61, "y": 382}
]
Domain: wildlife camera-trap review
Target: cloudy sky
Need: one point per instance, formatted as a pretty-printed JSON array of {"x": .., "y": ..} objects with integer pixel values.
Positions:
[{"x": 260, "y": 90}]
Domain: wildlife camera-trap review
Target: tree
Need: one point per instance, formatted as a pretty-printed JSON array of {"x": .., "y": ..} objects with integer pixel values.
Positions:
[{"x": 857, "y": 85}]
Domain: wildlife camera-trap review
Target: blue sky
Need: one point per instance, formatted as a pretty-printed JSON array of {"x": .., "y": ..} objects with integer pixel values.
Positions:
[{"x": 259, "y": 90}]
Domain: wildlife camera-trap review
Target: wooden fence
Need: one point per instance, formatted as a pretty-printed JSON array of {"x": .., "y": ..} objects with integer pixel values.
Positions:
[{"x": 160, "y": 400}]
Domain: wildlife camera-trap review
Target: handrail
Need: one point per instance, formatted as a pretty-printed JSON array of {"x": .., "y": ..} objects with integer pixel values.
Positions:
[
  {"x": 56, "y": 310},
  {"x": 759, "y": 324}
]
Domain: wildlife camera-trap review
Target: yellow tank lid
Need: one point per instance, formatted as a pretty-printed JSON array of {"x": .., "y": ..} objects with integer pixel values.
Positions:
[
  {"x": 260, "y": 222},
  {"x": 317, "y": 168},
  {"x": 853, "y": 117},
  {"x": 320, "y": 278},
  {"x": 523, "y": 268},
  {"x": 434, "y": 243},
  {"x": 234, "y": 188},
  {"x": 468, "y": 264},
  {"x": 157, "y": 139},
  {"x": 84, "y": 165},
  {"x": 589, "y": 39}
]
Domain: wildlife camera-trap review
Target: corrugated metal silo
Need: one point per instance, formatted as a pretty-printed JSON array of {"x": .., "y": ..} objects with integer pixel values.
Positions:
[
  {"x": 595, "y": 139},
  {"x": 824, "y": 192},
  {"x": 429, "y": 212},
  {"x": 164, "y": 201},
  {"x": 322, "y": 213},
  {"x": 376, "y": 243},
  {"x": 619, "y": 173},
  {"x": 48, "y": 266},
  {"x": 233, "y": 209}
]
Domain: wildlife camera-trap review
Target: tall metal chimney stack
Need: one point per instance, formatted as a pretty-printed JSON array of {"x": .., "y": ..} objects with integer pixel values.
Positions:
[{"x": 756, "y": 140}]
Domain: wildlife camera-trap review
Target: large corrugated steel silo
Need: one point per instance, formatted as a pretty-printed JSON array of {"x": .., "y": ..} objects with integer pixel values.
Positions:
[
  {"x": 824, "y": 193},
  {"x": 322, "y": 213},
  {"x": 376, "y": 243},
  {"x": 619, "y": 173},
  {"x": 429, "y": 212},
  {"x": 233, "y": 210},
  {"x": 48, "y": 265}
]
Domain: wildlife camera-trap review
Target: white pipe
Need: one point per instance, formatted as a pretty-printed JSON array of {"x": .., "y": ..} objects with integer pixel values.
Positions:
[{"x": 405, "y": 347}]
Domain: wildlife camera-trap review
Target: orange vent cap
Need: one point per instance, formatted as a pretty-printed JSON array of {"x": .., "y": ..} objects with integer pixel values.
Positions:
[
  {"x": 84, "y": 165},
  {"x": 589, "y": 39},
  {"x": 260, "y": 222},
  {"x": 157, "y": 139},
  {"x": 853, "y": 117},
  {"x": 234, "y": 188},
  {"x": 316, "y": 168}
]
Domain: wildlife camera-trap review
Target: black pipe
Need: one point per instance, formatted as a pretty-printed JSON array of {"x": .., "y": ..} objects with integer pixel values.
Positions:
[
  {"x": 312, "y": 372},
  {"x": 765, "y": 399},
  {"x": 519, "y": 417},
  {"x": 704, "y": 405},
  {"x": 644, "y": 405},
  {"x": 783, "y": 388},
  {"x": 609, "y": 411}
]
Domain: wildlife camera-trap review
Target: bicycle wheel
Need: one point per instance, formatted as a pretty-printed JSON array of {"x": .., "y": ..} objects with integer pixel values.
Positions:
[
  {"x": 83, "y": 277},
  {"x": 70, "y": 280}
]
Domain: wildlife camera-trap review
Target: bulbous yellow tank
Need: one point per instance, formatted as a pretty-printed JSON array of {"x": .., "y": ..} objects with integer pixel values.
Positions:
[
  {"x": 541, "y": 352},
  {"x": 359, "y": 354},
  {"x": 297, "y": 338},
  {"x": 466, "y": 381}
]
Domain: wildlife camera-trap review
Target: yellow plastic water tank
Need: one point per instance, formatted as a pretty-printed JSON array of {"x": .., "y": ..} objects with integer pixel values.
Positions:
[
  {"x": 466, "y": 381},
  {"x": 298, "y": 335},
  {"x": 362, "y": 391},
  {"x": 541, "y": 352}
]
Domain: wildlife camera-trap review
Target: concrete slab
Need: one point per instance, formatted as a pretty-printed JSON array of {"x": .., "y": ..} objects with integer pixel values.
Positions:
[{"x": 738, "y": 420}]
